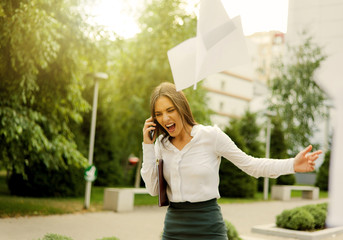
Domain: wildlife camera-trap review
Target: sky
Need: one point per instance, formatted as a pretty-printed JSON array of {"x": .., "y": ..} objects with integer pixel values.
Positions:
[{"x": 256, "y": 15}]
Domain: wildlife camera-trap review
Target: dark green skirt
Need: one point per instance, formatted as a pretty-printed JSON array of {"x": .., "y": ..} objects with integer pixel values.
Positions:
[{"x": 202, "y": 220}]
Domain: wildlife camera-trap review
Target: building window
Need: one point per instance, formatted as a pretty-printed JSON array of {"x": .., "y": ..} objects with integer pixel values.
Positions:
[
  {"x": 222, "y": 85},
  {"x": 278, "y": 39},
  {"x": 221, "y": 106}
]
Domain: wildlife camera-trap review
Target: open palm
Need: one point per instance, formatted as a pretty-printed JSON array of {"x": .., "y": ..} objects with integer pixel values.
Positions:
[{"x": 304, "y": 161}]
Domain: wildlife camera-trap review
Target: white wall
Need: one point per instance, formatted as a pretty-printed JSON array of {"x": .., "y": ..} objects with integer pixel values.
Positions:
[{"x": 228, "y": 95}]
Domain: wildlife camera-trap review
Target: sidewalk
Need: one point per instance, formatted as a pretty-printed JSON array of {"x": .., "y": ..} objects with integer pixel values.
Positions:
[{"x": 144, "y": 223}]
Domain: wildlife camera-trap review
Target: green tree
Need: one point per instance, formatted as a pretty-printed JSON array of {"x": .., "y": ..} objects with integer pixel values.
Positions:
[
  {"x": 250, "y": 131},
  {"x": 279, "y": 148},
  {"x": 233, "y": 181},
  {"x": 43, "y": 59},
  {"x": 295, "y": 95},
  {"x": 322, "y": 180}
]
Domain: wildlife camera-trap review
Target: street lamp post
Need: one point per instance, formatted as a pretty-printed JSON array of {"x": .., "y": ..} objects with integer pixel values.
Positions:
[
  {"x": 328, "y": 106},
  {"x": 269, "y": 114},
  {"x": 97, "y": 77}
]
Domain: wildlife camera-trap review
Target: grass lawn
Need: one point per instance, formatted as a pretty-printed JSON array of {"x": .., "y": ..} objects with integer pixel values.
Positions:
[{"x": 13, "y": 206}]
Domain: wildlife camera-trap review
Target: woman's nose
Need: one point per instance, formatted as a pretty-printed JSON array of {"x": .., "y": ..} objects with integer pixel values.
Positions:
[{"x": 165, "y": 117}]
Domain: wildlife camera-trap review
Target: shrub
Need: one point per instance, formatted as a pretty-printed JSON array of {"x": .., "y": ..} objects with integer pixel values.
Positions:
[
  {"x": 296, "y": 219},
  {"x": 279, "y": 147},
  {"x": 323, "y": 206},
  {"x": 108, "y": 238},
  {"x": 286, "y": 180},
  {"x": 234, "y": 182},
  {"x": 43, "y": 182},
  {"x": 260, "y": 184},
  {"x": 319, "y": 214},
  {"x": 52, "y": 236},
  {"x": 322, "y": 180},
  {"x": 232, "y": 233},
  {"x": 309, "y": 217}
]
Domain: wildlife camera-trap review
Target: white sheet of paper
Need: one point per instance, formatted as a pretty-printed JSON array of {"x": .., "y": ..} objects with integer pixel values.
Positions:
[
  {"x": 182, "y": 60},
  {"x": 218, "y": 46},
  {"x": 331, "y": 80}
]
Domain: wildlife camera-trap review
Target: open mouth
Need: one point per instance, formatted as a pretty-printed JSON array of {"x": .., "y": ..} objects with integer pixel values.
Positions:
[{"x": 170, "y": 127}]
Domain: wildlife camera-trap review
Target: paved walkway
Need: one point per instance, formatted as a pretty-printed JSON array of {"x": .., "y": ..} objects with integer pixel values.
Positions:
[{"x": 144, "y": 223}]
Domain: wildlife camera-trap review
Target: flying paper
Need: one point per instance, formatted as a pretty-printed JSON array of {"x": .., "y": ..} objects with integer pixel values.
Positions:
[{"x": 218, "y": 46}]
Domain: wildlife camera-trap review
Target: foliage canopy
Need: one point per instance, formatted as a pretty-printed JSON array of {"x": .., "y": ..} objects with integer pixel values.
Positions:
[
  {"x": 42, "y": 61},
  {"x": 295, "y": 95}
]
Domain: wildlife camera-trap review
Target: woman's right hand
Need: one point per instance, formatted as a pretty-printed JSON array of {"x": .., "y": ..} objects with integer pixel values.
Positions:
[{"x": 149, "y": 125}]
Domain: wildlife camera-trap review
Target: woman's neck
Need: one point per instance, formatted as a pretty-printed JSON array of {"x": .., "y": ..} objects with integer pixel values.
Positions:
[{"x": 183, "y": 138}]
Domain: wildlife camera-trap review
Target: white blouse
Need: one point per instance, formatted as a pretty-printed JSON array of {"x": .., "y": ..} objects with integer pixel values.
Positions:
[{"x": 192, "y": 173}]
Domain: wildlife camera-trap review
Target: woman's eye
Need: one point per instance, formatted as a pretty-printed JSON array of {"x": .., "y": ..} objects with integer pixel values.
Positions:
[{"x": 171, "y": 110}]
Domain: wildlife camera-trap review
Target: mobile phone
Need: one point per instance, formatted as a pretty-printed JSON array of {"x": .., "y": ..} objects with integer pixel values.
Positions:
[{"x": 151, "y": 134}]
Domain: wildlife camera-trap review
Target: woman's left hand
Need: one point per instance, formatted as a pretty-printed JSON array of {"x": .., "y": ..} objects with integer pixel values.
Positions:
[{"x": 305, "y": 161}]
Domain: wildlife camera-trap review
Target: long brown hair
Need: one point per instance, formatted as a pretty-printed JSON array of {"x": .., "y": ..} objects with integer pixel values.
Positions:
[{"x": 179, "y": 100}]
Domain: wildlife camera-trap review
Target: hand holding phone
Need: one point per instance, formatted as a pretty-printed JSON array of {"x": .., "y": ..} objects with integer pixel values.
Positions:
[{"x": 149, "y": 130}]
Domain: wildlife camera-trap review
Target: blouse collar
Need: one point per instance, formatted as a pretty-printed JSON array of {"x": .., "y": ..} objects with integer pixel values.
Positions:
[{"x": 168, "y": 145}]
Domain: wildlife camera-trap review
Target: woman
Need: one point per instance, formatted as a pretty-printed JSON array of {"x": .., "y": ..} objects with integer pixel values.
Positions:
[{"x": 191, "y": 154}]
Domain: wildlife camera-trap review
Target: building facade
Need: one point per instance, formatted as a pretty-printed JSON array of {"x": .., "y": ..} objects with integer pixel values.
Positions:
[
  {"x": 244, "y": 87},
  {"x": 270, "y": 46},
  {"x": 229, "y": 96}
]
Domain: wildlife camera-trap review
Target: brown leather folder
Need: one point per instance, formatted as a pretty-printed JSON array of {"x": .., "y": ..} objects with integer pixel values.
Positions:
[{"x": 162, "y": 185}]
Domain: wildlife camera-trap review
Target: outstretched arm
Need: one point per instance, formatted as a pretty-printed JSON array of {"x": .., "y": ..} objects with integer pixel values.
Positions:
[{"x": 304, "y": 161}]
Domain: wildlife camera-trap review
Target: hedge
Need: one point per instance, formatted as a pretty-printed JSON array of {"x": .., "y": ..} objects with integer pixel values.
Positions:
[
  {"x": 44, "y": 182},
  {"x": 232, "y": 233},
  {"x": 306, "y": 218}
]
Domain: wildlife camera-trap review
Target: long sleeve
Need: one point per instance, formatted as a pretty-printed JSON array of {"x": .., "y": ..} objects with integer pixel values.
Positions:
[
  {"x": 149, "y": 171},
  {"x": 256, "y": 167}
]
